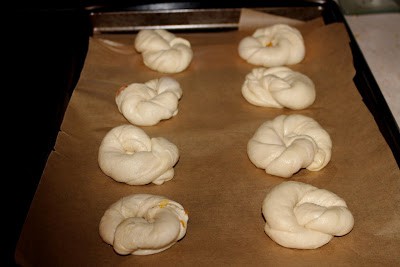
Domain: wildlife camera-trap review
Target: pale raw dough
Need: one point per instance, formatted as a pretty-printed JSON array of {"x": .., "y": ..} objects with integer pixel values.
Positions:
[
  {"x": 146, "y": 104},
  {"x": 287, "y": 143},
  {"x": 301, "y": 216},
  {"x": 272, "y": 46},
  {"x": 127, "y": 154},
  {"x": 162, "y": 51},
  {"x": 278, "y": 87},
  {"x": 143, "y": 224}
]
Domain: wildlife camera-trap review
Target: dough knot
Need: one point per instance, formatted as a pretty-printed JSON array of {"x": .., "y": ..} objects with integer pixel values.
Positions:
[
  {"x": 288, "y": 143},
  {"x": 127, "y": 154},
  {"x": 272, "y": 46},
  {"x": 162, "y": 51},
  {"x": 143, "y": 224},
  {"x": 278, "y": 87},
  {"x": 146, "y": 104},
  {"x": 302, "y": 216}
]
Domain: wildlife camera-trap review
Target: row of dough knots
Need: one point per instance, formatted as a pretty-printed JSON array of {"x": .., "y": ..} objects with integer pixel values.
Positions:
[
  {"x": 271, "y": 46},
  {"x": 144, "y": 224}
]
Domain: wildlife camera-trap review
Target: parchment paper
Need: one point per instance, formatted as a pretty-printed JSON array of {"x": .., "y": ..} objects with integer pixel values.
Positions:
[{"x": 214, "y": 179}]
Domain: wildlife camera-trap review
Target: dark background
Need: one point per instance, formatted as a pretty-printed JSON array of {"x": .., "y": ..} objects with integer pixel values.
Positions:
[{"x": 45, "y": 48}]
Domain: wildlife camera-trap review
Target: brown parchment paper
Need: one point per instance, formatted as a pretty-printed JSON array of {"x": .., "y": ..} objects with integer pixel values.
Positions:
[{"x": 214, "y": 179}]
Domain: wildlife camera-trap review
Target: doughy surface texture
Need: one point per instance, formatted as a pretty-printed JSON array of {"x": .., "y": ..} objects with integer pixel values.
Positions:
[
  {"x": 301, "y": 216},
  {"x": 143, "y": 224},
  {"x": 127, "y": 154},
  {"x": 288, "y": 143},
  {"x": 278, "y": 87},
  {"x": 146, "y": 104},
  {"x": 162, "y": 51},
  {"x": 272, "y": 46}
]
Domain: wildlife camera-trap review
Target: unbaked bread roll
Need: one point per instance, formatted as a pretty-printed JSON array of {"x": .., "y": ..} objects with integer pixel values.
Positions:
[
  {"x": 143, "y": 224},
  {"x": 146, "y": 104},
  {"x": 127, "y": 154},
  {"x": 287, "y": 143},
  {"x": 278, "y": 87},
  {"x": 162, "y": 51},
  {"x": 272, "y": 46},
  {"x": 302, "y": 216}
]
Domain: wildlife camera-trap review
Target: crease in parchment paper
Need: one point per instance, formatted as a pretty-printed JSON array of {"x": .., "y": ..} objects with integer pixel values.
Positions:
[
  {"x": 252, "y": 19},
  {"x": 115, "y": 46}
]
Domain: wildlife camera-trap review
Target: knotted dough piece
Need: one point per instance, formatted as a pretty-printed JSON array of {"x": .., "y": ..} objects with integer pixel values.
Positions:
[
  {"x": 286, "y": 144},
  {"x": 278, "y": 87},
  {"x": 162, "y": 51},
  {"x": 127, "y": 154},
  {"x": 143, "y": 224},
  {"x": 146, "y": 104},
  {"x": 272, "y": 46},
  {"x": 301, "y": 216}
]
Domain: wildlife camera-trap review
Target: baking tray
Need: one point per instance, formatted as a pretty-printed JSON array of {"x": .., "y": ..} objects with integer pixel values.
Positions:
[{"x": 120, "y": 18}]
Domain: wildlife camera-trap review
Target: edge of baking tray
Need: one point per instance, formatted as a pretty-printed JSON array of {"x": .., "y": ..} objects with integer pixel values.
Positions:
[
  {"x": 329, "y": 10},
  {"x": 370, "y": 91},
  {"x": 187, "y": 16}
]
